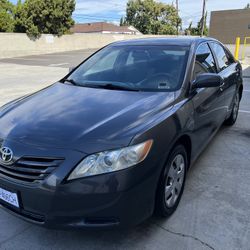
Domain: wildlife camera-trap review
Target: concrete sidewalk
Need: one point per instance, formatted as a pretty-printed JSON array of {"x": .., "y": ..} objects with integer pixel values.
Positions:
[
  {"x": 19, "y": 80},
  {"x": 246, "y": 70}
]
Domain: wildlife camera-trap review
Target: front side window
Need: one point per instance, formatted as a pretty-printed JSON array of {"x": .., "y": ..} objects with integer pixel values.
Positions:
[
  {"x": 204, "y": 61},
  {"x": 221, "y": 55},
  {"x": 136, "y": 67}
]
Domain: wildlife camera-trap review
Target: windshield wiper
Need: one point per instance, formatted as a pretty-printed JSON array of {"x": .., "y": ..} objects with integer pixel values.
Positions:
[
  {"x": 110, "y": 86},
  {"x": 73, "y": 82},
  {"x": 101, "y": 86}
]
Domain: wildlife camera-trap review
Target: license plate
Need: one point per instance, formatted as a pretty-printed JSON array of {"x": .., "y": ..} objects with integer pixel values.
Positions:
[{"x": 8, "y": 197}]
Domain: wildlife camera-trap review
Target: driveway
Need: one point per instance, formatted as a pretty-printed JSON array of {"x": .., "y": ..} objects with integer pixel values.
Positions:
[{"x": 213, "y": 214}]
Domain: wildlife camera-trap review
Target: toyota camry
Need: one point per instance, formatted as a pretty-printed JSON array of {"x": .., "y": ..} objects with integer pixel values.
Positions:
[{"x": 111, "y": 143}]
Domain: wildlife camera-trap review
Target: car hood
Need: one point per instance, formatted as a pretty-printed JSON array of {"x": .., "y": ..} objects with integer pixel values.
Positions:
[{"x": 80, "y": 118}]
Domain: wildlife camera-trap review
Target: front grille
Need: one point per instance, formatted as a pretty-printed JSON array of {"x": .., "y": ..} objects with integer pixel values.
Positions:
[{"x": 30, "y": 169}]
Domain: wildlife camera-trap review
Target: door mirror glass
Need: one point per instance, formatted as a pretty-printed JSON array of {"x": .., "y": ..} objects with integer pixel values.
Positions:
[{"x": 208, "y": 80}]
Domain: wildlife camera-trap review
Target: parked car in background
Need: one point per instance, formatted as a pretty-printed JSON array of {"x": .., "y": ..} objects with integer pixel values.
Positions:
[{"x": 112, "y": 141}]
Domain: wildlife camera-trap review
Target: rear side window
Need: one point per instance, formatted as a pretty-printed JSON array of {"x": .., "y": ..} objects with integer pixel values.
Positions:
[
  {"x": 204, "y": 61},
  {"x": 222, "y": 58}
]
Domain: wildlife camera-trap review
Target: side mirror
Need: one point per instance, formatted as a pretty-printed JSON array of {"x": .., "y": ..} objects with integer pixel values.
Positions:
[
  {"x": 71, "y": 69},
  {"x": 208, "y": 80}
]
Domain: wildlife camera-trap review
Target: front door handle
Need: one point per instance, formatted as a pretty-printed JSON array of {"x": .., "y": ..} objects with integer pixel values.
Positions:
[
  {"x": 237, "y": 73},
  {"x": 222, "y": 86}
]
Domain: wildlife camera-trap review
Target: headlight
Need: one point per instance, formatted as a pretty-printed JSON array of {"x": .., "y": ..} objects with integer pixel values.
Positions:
[{"x": 110, "y": 161}]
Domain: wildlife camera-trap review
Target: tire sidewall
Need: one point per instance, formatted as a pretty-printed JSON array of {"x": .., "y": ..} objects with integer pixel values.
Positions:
[
  {"x": 235, "y": 119},
  {"x": 231, "y": 120}
]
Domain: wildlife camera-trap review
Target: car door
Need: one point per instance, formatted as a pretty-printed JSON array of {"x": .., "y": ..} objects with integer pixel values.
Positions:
[
  {"x": 228, "y": 69},
  {"x": 208, "y": 103}
]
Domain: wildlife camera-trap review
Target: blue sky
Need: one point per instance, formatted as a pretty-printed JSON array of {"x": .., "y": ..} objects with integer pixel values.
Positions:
[{"x": 113, "y": 10}]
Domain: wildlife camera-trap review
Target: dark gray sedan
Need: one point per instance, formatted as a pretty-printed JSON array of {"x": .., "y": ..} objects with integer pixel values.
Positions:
[{"x": 112, "y": 142}]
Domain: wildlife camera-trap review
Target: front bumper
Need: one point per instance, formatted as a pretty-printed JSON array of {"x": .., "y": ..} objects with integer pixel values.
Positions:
[
  {"x": 119, "y": 199},
  {"x": 86, "y": 203},
  {"x": 124, "y": 198}
]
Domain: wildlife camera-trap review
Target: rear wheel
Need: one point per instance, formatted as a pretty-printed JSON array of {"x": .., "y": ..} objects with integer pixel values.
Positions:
[
  {"x": 234, "y": 114},
  {"x": 172, "y": 182}
]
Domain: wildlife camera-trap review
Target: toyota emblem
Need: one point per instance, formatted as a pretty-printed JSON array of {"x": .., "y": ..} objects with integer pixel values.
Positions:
[{"x": 6, "y": 154}]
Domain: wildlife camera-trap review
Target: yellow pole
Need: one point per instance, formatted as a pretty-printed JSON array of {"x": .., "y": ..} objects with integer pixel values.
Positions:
[{"x": 237, "y": 48}]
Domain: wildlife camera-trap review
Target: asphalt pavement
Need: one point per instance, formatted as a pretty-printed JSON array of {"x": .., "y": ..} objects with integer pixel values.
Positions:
[
  {"x": 214, "y": 212},
  {"x": 63, "y": 59}
]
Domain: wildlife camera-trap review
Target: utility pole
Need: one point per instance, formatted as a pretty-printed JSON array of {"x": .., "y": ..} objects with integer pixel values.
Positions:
[
  {"x": 203, "y": 17},
  {"x": 177, "y": 9}
]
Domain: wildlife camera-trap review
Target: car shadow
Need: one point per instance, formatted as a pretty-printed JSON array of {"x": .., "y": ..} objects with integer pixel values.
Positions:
[{"x": 133, "y": 238}]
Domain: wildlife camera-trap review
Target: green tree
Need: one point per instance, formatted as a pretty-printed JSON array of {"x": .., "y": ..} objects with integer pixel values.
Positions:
[
  {"x": 6, "y": 16},
  {"x": 19, "y": 18},
  {"x": 192, "y": 31},
  {"x": 123, "y": 21},
  {"x": 196, "y": 31},
  {"x": 247, "y": 6},
  {"x": 36, "y": 17},
  {"x": 199, "y": 26},
  {"x": 152, "y": 17}
]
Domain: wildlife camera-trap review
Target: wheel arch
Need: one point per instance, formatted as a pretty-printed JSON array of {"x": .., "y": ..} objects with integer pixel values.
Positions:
[{"x": 186, "y": 141}]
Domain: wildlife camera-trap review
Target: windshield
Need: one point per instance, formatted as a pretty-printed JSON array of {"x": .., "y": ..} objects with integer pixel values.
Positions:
[{"x": 139, "y": 68}]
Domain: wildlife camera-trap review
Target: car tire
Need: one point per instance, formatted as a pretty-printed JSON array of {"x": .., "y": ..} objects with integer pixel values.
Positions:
[
  {"x": 235, "y": 110},
  {"x": 172, "y": 182}
]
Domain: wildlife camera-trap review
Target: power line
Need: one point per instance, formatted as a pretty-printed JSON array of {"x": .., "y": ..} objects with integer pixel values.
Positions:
[
  {"x": 111, "y": 4},
  {"x": 186, "y": 14},
  {"x": 112, "y": 18},
  {"x": 88, "y": 17},
  {"x": 194, "y": 15}
]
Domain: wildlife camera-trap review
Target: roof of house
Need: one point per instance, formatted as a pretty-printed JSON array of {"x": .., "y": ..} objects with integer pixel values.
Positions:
[{"x": 101, "y": 27}]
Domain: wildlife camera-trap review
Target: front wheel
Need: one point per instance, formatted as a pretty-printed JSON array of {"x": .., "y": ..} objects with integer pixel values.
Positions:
[
  {"x": 234, "y": 114},
  {"x": 172, "y": 182}
]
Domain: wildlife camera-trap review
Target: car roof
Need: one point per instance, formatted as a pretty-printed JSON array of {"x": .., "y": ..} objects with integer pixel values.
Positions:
[{"x": 179, "y": 41}]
